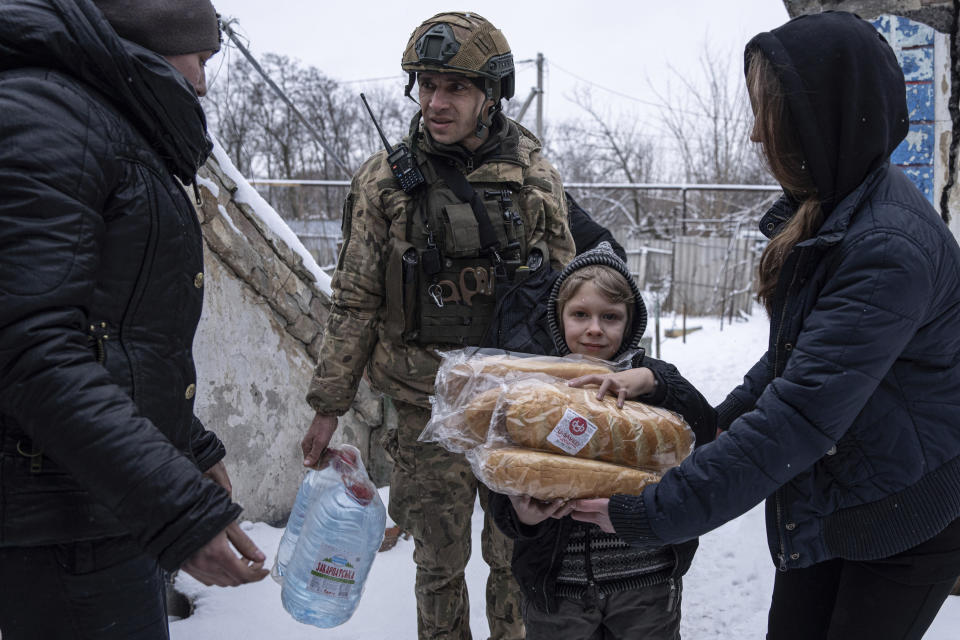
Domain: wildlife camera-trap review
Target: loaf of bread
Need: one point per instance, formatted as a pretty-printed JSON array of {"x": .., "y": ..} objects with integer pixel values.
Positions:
[
  {"x": 558, "y": 418},
  {"x": 481, "y": 372},
  {"x": 547, "y": 476}
]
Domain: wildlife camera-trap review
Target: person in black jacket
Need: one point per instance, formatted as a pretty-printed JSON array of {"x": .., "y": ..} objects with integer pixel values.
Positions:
[
  {"x": 106, "y": 476},
  {"x": 848, "y": 424},
  {"x": 578, "y": 581},
  {"x": 519, "y": 321}
]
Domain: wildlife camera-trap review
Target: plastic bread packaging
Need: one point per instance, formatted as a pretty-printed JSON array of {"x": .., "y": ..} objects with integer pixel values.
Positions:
[
  {"x": 550, "y": 440},
  {"x": 465, "y": 372},
  {"x": 470, "y": 380},
  {"x": 548, "y": 476},
  {"x": 557, "y": 418}
]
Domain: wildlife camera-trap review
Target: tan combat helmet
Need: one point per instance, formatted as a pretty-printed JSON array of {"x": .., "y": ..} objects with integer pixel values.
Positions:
[{"x": 464, "y": 43}]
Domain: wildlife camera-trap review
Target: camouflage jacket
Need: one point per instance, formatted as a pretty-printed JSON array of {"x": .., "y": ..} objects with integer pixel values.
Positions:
[{"x": 358, "y": 333}]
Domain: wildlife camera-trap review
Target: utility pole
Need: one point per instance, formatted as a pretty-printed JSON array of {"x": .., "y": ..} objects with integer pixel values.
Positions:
[{"x": 540, "y": 96}]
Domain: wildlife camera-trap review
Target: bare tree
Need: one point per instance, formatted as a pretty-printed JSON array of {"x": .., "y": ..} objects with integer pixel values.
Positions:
[
  {"x": 265, "y": 138},
  {"x": 710, "y": 120},
  {"x": 603, "y": 146}
]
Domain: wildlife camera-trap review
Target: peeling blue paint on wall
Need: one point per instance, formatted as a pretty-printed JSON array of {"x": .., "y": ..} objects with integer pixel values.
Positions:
[{"x": 913, "y": 44}]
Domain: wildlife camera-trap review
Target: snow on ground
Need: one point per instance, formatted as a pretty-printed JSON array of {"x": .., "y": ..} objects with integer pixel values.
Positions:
[{"x": 726, "y": 592}]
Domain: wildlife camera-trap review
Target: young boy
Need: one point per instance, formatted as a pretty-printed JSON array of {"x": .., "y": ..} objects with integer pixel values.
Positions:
[{"x": 577, "y": 581}]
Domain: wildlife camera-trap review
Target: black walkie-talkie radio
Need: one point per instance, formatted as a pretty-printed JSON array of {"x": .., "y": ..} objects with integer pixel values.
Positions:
[{"x": 402, "y": 164}]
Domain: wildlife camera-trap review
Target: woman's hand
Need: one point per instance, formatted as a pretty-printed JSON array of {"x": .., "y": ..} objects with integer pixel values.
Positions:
[
  {"x": 623, "y": 384},
  {"x": 595, "y": 511},
  {"x": 531, "y": 511}
]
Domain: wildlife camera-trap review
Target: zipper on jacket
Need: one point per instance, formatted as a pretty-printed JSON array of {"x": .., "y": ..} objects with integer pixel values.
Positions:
[
  {"x": 98, "y": 337},
  {"x": 36, "y": 457},
  {"x": 783, "y": 545},
  {"x": 546, "y": 575},
  {"x": 672, "y": 598},
  {"x": 588, "y": 567},
  {"x": 783, "y": 315}
]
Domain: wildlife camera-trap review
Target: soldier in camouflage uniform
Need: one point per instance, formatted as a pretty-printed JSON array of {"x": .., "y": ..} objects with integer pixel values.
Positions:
[{"x": 417, "y": 274}]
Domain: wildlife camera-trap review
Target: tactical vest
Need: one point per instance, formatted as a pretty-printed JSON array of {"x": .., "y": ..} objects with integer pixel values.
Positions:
[{"x": 441, "y": 285}]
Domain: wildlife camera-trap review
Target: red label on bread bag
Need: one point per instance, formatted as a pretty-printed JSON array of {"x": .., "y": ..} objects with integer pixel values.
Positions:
[
  {"x": 572, "y": 433},
  {"x": 578, "y": 426}
]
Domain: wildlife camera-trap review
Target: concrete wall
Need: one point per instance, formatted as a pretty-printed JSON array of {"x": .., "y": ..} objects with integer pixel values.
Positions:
[
  {"x": 924, "y": 34},
  {"x": 256, "y": 350},
  {"x": 939, "y": 14}
]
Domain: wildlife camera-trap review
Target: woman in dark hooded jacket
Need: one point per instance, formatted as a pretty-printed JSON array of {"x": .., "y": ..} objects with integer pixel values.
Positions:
[
  {"x": 576, "y": 579},
  {"x": 848, "y": 425}
]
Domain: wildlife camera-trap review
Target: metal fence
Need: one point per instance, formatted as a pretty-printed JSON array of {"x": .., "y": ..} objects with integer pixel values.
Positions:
[
  {"x": 694, "y": 258},
  {"x": 696, "y": 275}
]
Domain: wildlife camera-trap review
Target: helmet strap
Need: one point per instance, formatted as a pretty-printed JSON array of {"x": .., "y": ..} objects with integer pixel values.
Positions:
[
  {"x": 489, "y": 94},
  {"x": 411, "y": 78}
]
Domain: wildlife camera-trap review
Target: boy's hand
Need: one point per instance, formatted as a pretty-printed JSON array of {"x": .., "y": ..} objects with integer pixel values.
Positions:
[
  {"x": 531, "y": 511},
  {"x": 595, "y": 511},
  {"x": 623, "y": 384}
]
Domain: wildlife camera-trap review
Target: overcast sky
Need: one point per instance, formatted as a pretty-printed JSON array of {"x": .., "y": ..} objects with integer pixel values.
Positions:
[{"x": 617, "y": 46}]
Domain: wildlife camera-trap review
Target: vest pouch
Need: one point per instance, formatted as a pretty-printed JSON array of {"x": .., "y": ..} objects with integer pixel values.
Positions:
[
  {"x": 402, "y": 279},
  {"x": 457, "y": 306},
  {"x": 461, "y": 233}
]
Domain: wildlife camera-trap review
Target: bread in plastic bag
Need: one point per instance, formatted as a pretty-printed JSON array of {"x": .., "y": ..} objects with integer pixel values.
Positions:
[
  {"x": 557, "y": 418},
  {"x": 464, "y": 382},
  {"x": 548, "y": 476}
]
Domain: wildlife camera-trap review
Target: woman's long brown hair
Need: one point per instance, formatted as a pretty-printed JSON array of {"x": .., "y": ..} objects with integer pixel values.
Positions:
[{"x": 774, "y": 129}]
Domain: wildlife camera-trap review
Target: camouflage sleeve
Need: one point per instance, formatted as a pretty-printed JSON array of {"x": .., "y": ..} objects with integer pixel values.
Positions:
[
  {"x": 358, "y": 291},
  {"x": 554, "y": 229}
]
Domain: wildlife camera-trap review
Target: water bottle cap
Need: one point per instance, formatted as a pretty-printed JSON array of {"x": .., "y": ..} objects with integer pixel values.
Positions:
[{"x": 359, "y": 491}]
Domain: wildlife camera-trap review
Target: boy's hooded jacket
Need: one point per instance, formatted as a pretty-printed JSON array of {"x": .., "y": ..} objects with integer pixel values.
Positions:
[
  {"x": 848, "y": 425},
  {"x": 101, "y": 276},
  {"x": 539, "y": 550}
]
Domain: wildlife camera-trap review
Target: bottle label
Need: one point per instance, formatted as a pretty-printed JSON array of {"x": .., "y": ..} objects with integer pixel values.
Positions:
[
  {"x": 334, "y": 574},
  {"x": 572, "y": 433}
]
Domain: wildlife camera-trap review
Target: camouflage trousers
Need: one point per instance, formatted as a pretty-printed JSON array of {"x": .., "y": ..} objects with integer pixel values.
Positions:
[{"x": 432, "y": 494}]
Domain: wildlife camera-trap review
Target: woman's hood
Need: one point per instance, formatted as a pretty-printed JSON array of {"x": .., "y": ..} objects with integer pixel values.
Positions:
[{"x": 846, "y": 94}]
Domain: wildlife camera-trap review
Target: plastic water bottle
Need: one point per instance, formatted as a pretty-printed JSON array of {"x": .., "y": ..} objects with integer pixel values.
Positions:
[
  {"x": 313, "y": 483},
  {"x": 342, "y": 530}
]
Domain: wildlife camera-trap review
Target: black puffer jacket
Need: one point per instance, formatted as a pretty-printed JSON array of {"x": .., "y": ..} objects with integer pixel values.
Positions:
[
  {"x": 101, "y": 265},
  {"x": 848, "y": 426}
]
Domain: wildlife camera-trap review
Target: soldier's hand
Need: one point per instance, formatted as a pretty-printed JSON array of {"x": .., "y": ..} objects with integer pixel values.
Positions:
[
  {"x": 215, "y": 563},
  {"x": 317, "y": 438}
]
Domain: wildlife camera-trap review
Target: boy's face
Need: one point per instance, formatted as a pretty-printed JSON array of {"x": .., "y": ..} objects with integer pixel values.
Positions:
[{"x": 592, "y": 325}]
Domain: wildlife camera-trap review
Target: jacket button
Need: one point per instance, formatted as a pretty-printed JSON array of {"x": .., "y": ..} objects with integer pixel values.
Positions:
[
  {"x": 832, "y": 450},
  {"x": 788, "y": 347},
  {"x": 791, "y": 526},
  {"x": 770, "y": 226},
  {"x": 191, "y": 389},
  {"x": 794, "y": 556},
  {"x": 198, "y": 280}
]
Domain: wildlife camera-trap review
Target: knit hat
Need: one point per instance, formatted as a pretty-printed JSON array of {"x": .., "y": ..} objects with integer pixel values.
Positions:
[
  {"x": 602, "y": 254},
  {"x": 166, "y": 27}
]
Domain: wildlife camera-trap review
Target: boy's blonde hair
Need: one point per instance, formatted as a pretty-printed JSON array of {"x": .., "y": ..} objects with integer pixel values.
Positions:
[{"x": 611, "y": 284}]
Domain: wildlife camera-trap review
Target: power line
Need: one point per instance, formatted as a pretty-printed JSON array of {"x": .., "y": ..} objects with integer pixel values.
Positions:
[
  {"x": 634, "y": 98},
  {"x": 256, "y": 65},
  {"x": 396, "y": 78}
]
